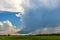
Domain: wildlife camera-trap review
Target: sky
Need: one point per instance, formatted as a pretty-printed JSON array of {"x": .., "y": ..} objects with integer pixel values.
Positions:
[
  {"x": 11, "y": 16},
  {"x": 30, "y": 16}
]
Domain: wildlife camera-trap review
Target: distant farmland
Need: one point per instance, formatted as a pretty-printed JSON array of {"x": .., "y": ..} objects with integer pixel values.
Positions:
[{"x": 31, "y": 37}]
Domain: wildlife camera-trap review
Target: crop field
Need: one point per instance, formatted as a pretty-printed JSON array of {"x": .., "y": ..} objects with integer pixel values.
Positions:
[{"x": 29, "y": 37}]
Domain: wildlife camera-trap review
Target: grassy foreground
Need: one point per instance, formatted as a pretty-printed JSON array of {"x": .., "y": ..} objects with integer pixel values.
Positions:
[{"x": 29, "y": 37}]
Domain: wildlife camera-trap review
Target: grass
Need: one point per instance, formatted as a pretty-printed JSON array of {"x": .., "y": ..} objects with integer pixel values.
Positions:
[{"x": 29, "y": 37}]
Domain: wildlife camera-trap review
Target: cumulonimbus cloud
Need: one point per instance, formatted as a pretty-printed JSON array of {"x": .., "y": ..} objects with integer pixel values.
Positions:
[
  {"x": 34, "y": 14},
  {"x": 40, "y": 14}
]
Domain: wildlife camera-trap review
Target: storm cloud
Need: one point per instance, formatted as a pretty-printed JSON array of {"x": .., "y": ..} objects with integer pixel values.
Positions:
[
  {"x": 41, "y": 14},
  {"x": 36, "y": 15}
]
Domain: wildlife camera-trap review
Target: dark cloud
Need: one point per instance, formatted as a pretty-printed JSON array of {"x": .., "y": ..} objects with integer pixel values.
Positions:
[{"x": 40, "y": 17}]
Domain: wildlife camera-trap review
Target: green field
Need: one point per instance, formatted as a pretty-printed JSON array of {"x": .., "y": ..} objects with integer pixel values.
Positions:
[{"x": 29, "y": 37}]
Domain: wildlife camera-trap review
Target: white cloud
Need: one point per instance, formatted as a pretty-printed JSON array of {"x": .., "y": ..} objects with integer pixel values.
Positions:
[
  {"x": 11, "y": 5},
  {"x": 19, "y": 15},
  {"x": 52, "y": 30},
  {"x": 46, "y": 31},
  {"x": 19, "y": 5},
  {"x": 6, "y": 27},
  {"x": 1, "y": 24}
]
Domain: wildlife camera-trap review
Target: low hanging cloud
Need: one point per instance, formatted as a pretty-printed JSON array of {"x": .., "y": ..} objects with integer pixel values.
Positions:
[
  {"x": 6, "y": 27},
  {"x": 49, "y": 30}
]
